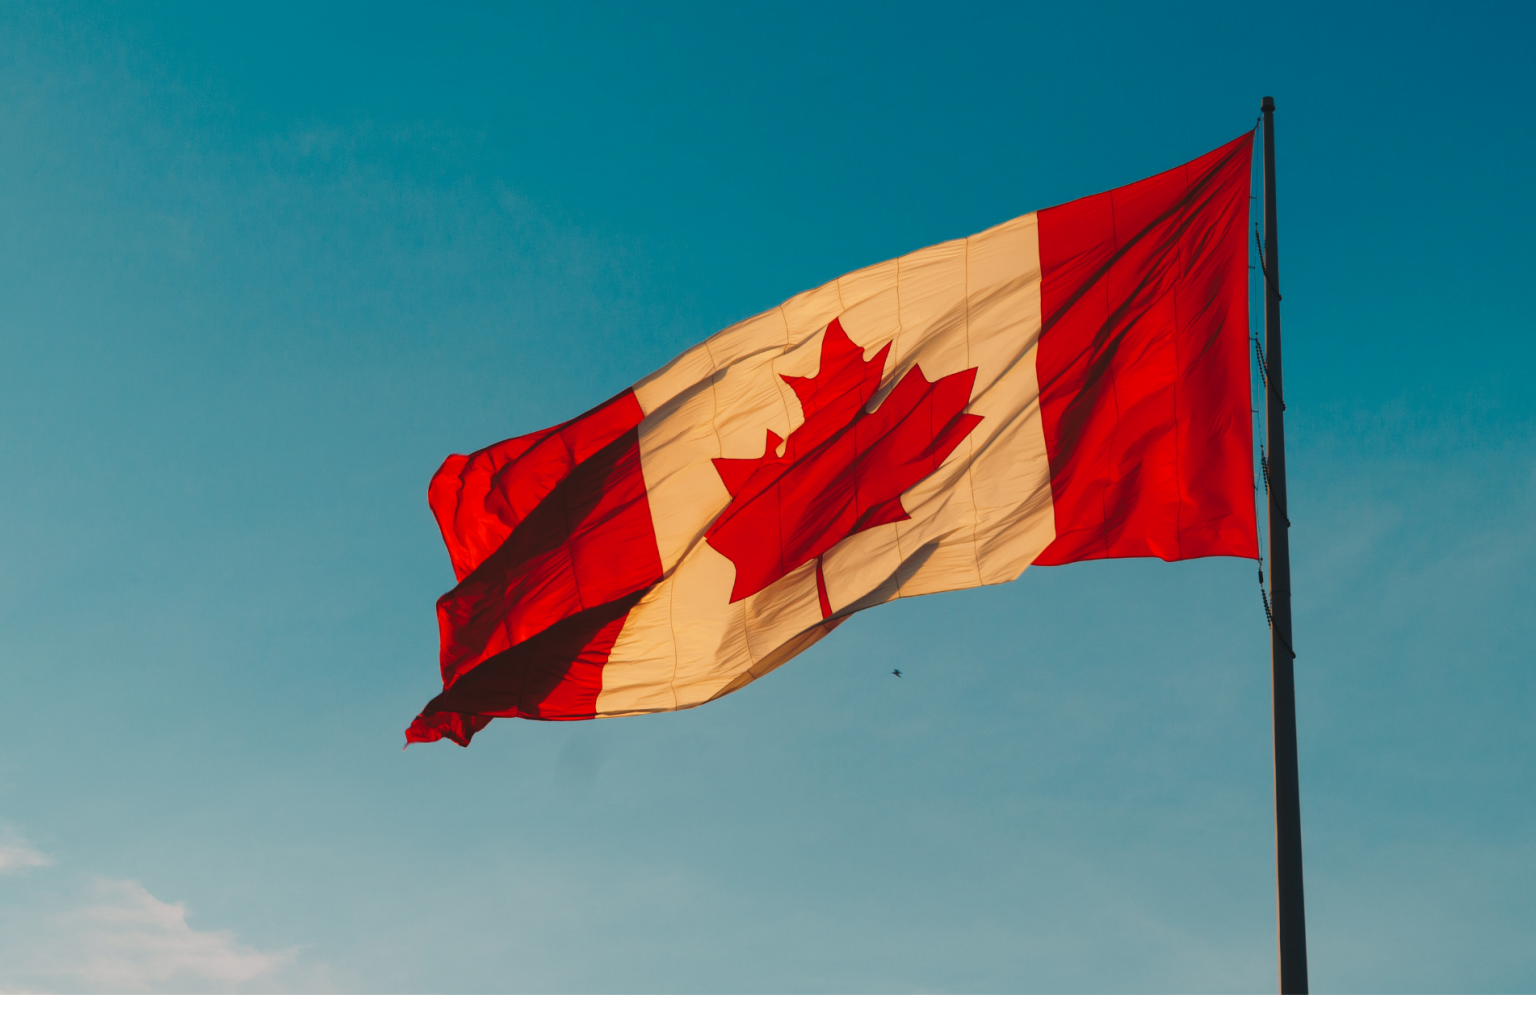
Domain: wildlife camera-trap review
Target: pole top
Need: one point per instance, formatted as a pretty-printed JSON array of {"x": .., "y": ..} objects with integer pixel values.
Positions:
[{"x": 1268, "y": 105}]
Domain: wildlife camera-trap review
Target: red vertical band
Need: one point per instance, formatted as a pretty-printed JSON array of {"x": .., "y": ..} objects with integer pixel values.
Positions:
[
  {"x": 1143, "y": 366},
  {"x": 555, "y": 676},
  {"x": 551, "y": 537}
]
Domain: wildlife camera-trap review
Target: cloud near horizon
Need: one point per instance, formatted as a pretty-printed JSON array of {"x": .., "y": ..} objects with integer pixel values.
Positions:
[
  {"x": 127, "y": 940},
  {"x": 16, "y": 857},
  {"x": 116, "y": 936}
]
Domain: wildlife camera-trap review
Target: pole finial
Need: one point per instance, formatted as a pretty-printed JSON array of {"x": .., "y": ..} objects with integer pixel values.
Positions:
[{"x": 1268, "y": 105}]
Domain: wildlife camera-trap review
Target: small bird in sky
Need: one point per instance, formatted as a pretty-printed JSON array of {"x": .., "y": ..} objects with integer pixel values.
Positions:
[{"x": 896, "y": 672}]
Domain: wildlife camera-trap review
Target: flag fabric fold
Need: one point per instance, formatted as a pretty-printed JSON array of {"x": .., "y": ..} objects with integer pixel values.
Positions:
[{"x": 1071, "y": 384}]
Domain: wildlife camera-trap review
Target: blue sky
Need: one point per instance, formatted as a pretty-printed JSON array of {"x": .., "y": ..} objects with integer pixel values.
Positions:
[{"x": 265, "y": 268}]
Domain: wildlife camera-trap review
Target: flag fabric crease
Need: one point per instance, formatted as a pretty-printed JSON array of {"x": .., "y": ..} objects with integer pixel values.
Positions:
[{"x": 1071, "y": 384}]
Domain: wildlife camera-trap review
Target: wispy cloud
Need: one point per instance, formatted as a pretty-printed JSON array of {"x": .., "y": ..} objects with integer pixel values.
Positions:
[
  {"x": 128, "y": 940},
  {"x": 116, "y": 936},
  {"x": 16, "y": 857}
]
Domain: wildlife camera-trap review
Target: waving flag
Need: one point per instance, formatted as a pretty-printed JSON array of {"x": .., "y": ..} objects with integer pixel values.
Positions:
[{"x": 1071, "y": 384}]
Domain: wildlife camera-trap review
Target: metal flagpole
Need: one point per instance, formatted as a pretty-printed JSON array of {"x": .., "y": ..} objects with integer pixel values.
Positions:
[{"x": 1291, "y": 908}]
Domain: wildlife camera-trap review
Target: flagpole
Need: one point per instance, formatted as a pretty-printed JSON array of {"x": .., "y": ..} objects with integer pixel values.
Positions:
[{"x": 1290, "y": 905}]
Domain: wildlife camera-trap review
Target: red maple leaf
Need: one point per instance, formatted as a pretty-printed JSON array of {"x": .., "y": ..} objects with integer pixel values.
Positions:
[{"x": 843, "y": 471}]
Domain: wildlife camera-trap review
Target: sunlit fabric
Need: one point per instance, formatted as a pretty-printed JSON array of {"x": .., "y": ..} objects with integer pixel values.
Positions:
[{"x": 1068, "y": 385}]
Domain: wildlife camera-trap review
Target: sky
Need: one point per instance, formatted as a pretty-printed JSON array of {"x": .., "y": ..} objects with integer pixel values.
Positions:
[{"x": 265, "y": 267}]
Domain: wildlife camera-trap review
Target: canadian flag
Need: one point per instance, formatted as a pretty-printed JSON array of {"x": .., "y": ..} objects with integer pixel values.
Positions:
[{"x": 1071, "y": 384}]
